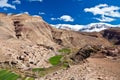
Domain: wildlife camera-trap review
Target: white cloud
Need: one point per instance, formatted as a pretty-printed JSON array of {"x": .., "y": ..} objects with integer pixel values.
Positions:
[
  {"x": 65, "y": 18},
  {"x": 105, "y": 10},
  {"x": 41, "y": 13},
  {"x": 16, "y": 2},
  {"x": 53, "y": 19},
  {"x": 26, "y": 12},
  {"x": 105, "y": 19},
  {"x": 4, "y": 3},
  {"x": 36, "y": 0}
]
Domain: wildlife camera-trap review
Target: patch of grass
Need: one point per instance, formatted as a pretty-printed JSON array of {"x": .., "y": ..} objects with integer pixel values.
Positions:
[
  {"x": 8, "y": 75},
  {"x": 29, "y": 78},
  {"x": 48, "y": 70},
  {"x": 55, "y": 60},
  {"x": 58, "y": 62},
  {"x": 38, "y": 69},
  {"x": 66, "y": 65},
  {"x": 65, "y": 51}
]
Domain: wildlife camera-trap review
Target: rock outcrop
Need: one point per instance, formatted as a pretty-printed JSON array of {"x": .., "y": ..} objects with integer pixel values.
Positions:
[
  {"x": 70, "y": 38},
  {"x": 113, "y": 35}
]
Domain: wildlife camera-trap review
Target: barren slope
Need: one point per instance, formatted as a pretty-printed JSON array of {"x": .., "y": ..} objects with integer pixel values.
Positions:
[{"x": 28, "y": 42}]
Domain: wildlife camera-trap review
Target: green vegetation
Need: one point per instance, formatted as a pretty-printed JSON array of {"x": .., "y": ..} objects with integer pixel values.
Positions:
[
  {"x": 36, "y": 72},
  {"x": 38, "y": 69},
  {"x": 58, "y": 62},
  {"x": 66, "y": 65},
  {"x": 43, "y": 71},
  {"x": 65, "y": 51},
  {"x": 55, "y": 60},
  {"x": 28, "y": 78},
  {"x": 8, "y": 75}
]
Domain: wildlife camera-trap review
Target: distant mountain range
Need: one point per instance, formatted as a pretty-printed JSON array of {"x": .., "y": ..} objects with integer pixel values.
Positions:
[{"x": 93, "y": 27}]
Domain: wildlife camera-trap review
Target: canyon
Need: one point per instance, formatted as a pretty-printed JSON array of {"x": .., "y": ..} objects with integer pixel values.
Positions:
[{"x": 28, "y": 42}]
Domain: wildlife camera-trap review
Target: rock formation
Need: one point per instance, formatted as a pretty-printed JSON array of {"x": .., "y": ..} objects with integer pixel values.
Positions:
[
  {"x": 113, "y": 35},
  {"x": 24, "y": 30},
  {"x": 28, "y": 42}
]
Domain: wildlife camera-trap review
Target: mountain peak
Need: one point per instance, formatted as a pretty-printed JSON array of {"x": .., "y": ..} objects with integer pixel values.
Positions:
[{"x": 92, "y": 27}]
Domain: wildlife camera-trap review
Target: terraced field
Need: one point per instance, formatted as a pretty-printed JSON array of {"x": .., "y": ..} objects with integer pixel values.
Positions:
[{"x": 9, "y": 75}]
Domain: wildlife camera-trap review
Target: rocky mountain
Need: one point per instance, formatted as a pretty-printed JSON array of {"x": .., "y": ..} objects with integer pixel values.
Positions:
[
  {"x": 25, "y": 27},
  {"x": 36, "y": 30},
  {"x": 68, "y": 27},
  {"x": 93, "y": 27},
  {"x": 25, "y": 40},
  {"x": 113, "y": 35},
  {"x": 28, "y": 42},
  {"x": 22, "y": 35}
]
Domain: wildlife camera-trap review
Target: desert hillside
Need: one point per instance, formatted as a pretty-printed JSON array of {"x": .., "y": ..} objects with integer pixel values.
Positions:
[{"x": 28, "y": 43}]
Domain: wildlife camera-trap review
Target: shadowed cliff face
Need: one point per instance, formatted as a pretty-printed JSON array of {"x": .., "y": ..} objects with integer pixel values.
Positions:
[{"x": 113, "y": 35}]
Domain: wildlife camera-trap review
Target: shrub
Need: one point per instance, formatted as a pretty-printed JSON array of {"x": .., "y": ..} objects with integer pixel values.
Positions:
[{"x": 55, "y": 60}]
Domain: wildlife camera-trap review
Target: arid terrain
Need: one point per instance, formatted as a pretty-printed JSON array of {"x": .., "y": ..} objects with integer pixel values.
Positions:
[
  {"x": 94, "y": 69},
  {"x": 28, "y": 42}
]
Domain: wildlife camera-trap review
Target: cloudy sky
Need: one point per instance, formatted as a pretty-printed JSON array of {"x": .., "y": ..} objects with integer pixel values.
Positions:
[{"x": 74, "y": 12}]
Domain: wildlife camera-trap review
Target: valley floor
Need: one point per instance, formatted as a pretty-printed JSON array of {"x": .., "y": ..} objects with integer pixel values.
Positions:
[{"x": 93, "y": 69}]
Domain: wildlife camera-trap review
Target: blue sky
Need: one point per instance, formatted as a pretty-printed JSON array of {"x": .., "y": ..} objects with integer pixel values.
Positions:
[{"x": 81, "y": 12}]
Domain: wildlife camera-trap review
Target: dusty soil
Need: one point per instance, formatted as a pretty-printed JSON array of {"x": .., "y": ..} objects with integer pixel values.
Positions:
[
  {"x": 104, "y": 69},
  {"x": 93, "y": 69}
]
